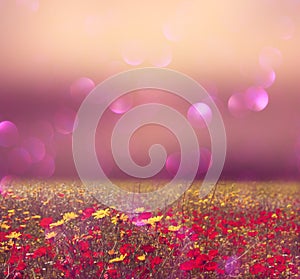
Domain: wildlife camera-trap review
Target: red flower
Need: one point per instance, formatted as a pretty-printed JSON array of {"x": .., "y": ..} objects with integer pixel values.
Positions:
[
  {"x": 281, "y": 267},
  {"x": 198, "y": 229},
  {"x": 212, "y": 254},
  {"x": 193, "y": 253},
  {"x": 100, "y": 265},
  {"x": 21, "y": 266},
  {"x": 189, "y": 265},
  {"x": 252, "y": 234},
  {"x": 257, "y": 268},
  {"x": 148, "y": 248},
  {"x": 87, "y": 255},
  {"x": 83, "y": 245},
  {"x": 14, "y": 259},
  {"x": 201, "y": 260},
  {"x": 126, "y": 249},
  {"x": 212, "y": 234},
  {"x": 211, "y": 266},
  {"x": 280, "y": 259},
  {"x": 87, "y": 213},
  {"x": 40, "y": 252},
  {"x": 45, "y": 222},
  {"x": 155, "y": 261}
]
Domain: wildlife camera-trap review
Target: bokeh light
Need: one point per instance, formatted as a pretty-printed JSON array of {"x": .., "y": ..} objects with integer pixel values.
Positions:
[
  {"x": 270, "y": 57},
  {"x": 133, "y": 52},
  {"x": 173, "y": 163},
  {"x": 19, "y": 160},
  {"x": 173, "y": 30},
  {"x": 43, "y": 130},
  {"x": 256, "y": 98},
  {"x": 44, "y": 168},
  {"x": 64, "y": 120},
  {"x": 285, "y": 27},
  {"x": 160, "y": 56},
  {"x": 199, "y": 114},
  {"x": 264, "y": 77},
  {"x": 232, "y": 266},
  {"x": 80, "y": 88},
  {"x": 9, "y": 134},
  {"x": 122, "y": 104},
  {"x": 237, "y": 105},
  {"x": 35, "y": 147}
]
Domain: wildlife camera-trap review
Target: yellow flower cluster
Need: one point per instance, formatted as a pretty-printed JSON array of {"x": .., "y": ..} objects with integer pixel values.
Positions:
[
  {"x": 174, "y": 228},
  {"x": 123, "y": 217},
  {"x": 56, "y": 224},
  {"x": 15, "y": 235},
  {"x": 4, "y": 226},
  {"x": 142, "y": 258},
  {"x": 153, "y": 220},
  {"x": 50, "y": 235},
  {"x": 100, "y": 214},
  {"x": 69, "y": 216},
  {"x": 118, "y": 259}
]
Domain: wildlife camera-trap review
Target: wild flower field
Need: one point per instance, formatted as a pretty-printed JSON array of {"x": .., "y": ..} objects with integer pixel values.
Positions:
[{"x": 56, "y": 229}]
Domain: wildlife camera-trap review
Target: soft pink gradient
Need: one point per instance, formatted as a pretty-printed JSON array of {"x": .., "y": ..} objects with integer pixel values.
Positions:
[{"x": 245, "y": 53}]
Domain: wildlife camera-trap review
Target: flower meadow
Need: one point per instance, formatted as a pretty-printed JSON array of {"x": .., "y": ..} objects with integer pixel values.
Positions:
[{"x": 56, "y": 229}]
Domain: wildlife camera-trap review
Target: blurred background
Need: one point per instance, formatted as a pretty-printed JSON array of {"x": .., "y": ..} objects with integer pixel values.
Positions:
[{"x": 245, "y": 53}]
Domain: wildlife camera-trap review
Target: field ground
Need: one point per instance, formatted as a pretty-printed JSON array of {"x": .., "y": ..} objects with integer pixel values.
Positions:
[{"x": 56, "y": 229}]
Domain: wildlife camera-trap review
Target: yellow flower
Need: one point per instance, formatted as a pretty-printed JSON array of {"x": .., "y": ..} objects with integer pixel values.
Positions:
[
  {"x": 122, "y": 233},
  {"x": 56, "y": 224},
  {"x": 69, "y": 216},
  {"x": 115, "y": 219},
  {"x": 45, "y": 202},
  {"x": 12, "y": 211},
  {"x": 141, "y": 258},
  {"x": 101, "y": 213},
  {"x": 274, "y": 216},
  {"x": 118, "y": 259},
  {"x": 4, "y": 226},
  {"x": 12, "y": 235},
  {"x": 26, "y": 212},
  {"x": 10, "y": 243},
  {"x": 36, "y": 217},
  {"x": 50, "y": 235},
  {"x": 123, "y": 217},
  {"x": 174, "y": 228},
  {"x": 154, "y": 220}
]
